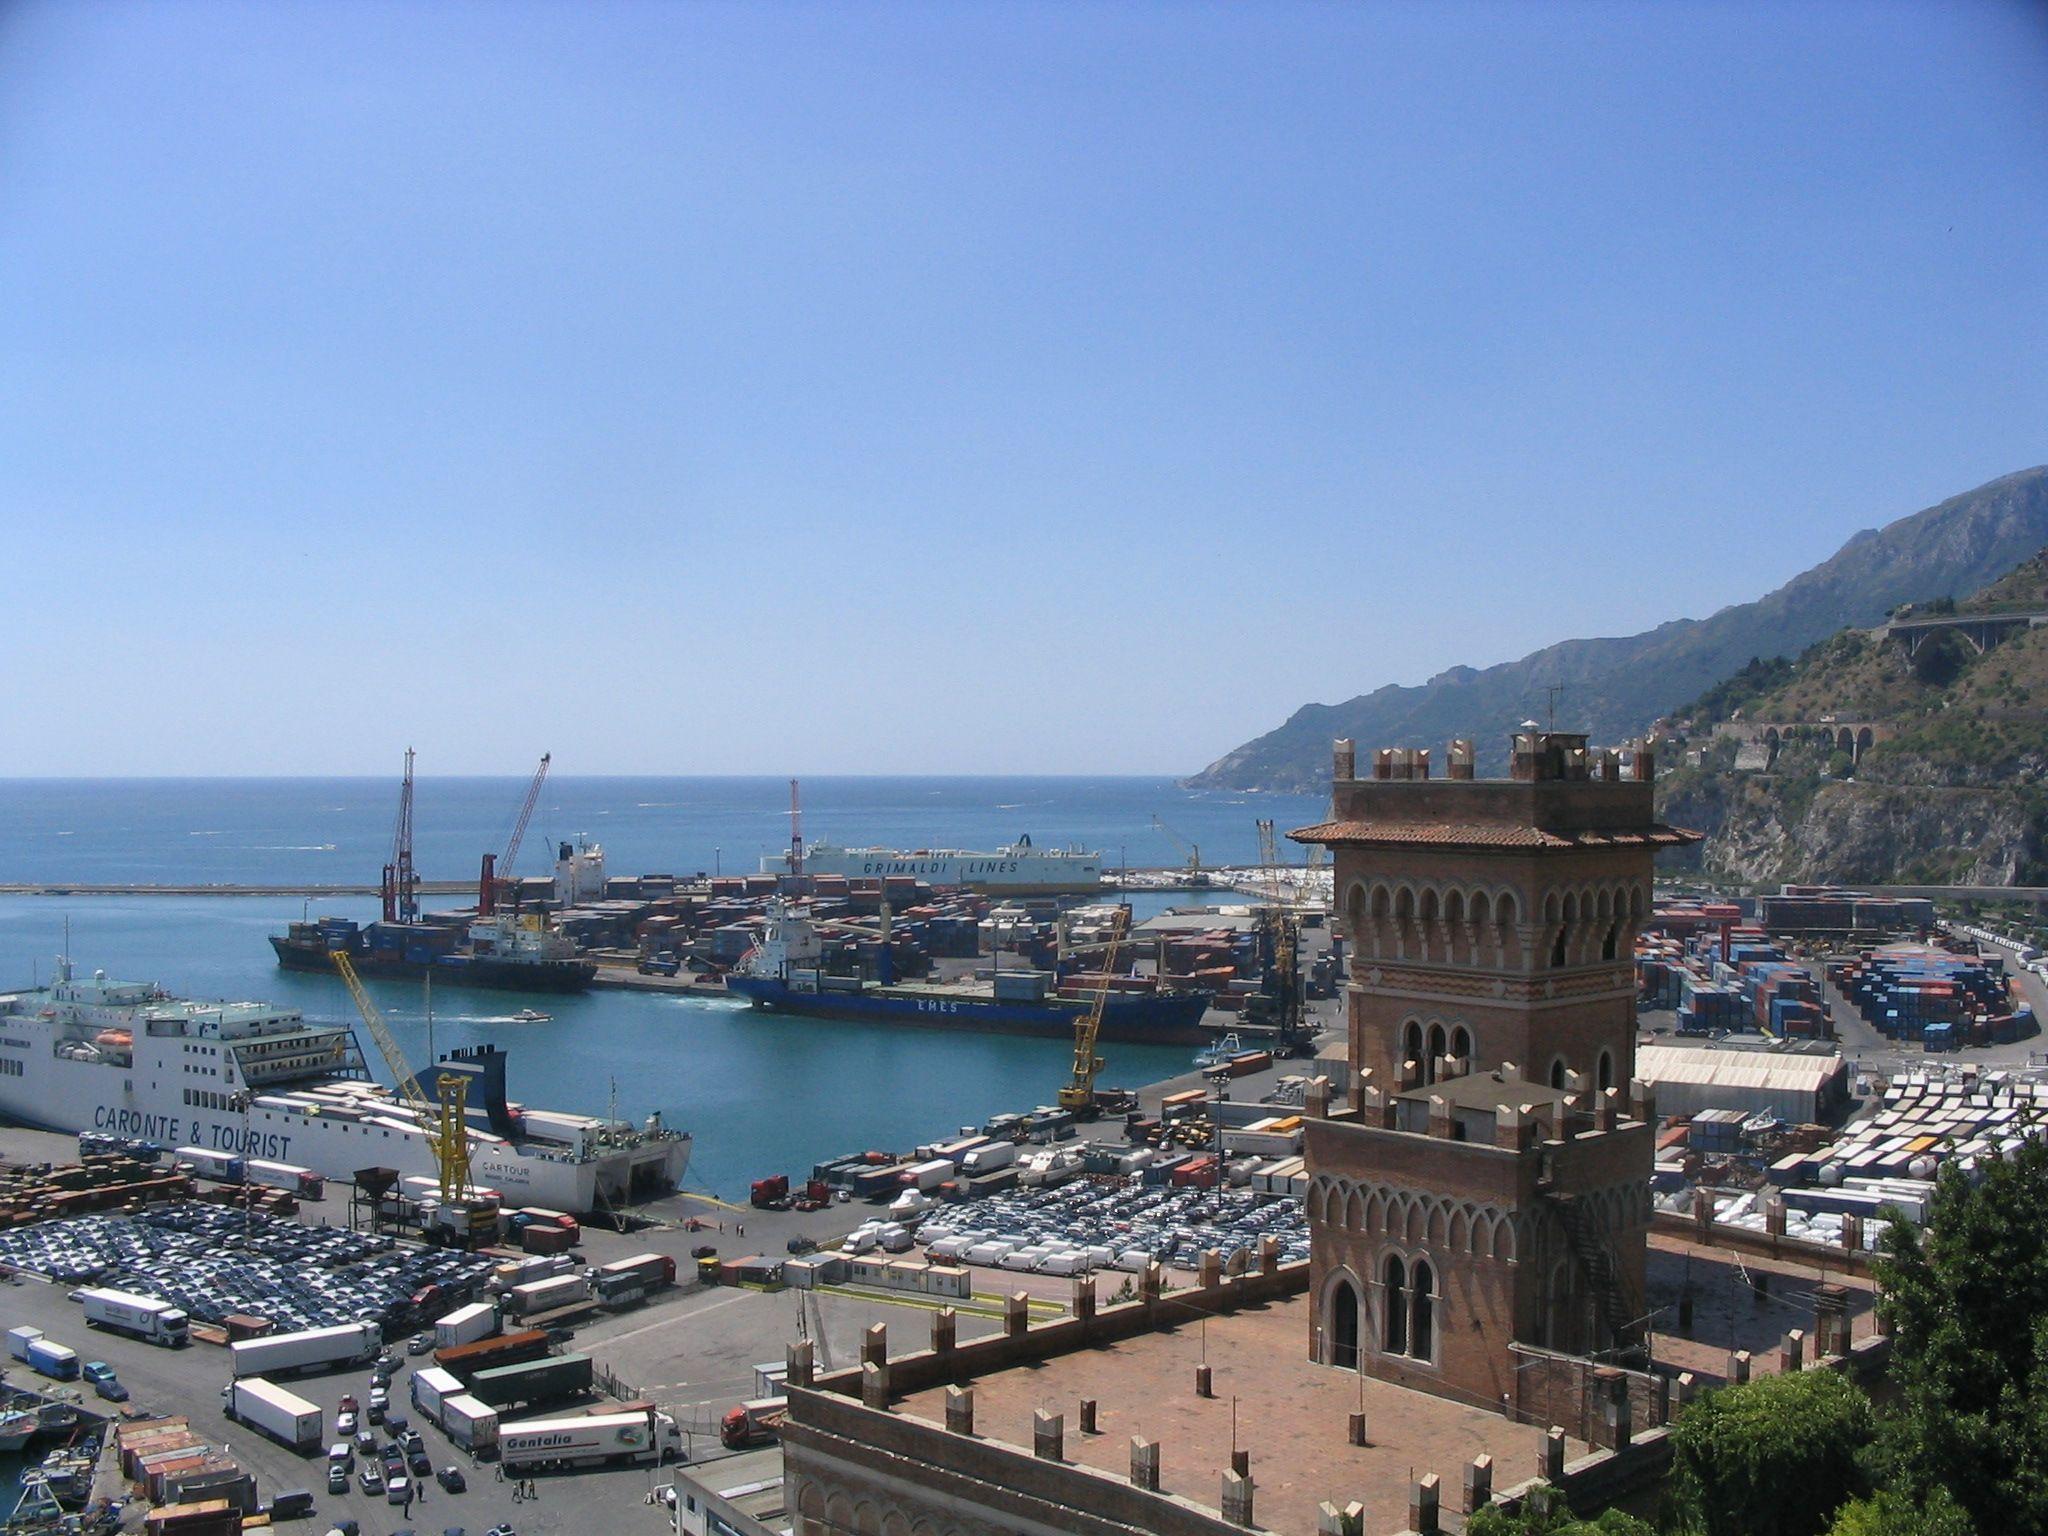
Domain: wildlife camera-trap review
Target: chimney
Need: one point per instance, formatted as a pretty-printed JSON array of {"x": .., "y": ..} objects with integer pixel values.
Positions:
[
  {"x": 1458, "y": 759},
  {"x": 1346, "y": 766}
]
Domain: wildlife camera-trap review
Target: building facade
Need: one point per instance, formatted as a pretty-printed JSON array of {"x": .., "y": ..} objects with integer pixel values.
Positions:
[{"x": 1484, "y": 1182}]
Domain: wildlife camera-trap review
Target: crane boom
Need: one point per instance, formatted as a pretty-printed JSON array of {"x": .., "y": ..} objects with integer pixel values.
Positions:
[
  {"x": 444, "y": 1123},
  {"x": 1078, "y": 1097},
  {"x": 496, "y": 878},
  {"x": 400, "y": 884},
  {"x": 1192, "y": 850}
]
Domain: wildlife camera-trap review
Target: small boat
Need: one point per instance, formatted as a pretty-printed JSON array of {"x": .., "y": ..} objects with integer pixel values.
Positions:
[
  {"x": 1219, "y": 1053},
  {"x": 16, "y": 1428},
  {"x": 531, "y": 1016}
]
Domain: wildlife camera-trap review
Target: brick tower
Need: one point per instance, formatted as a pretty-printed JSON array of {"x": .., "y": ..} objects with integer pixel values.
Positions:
[{"x": 1486, "y": 1181}]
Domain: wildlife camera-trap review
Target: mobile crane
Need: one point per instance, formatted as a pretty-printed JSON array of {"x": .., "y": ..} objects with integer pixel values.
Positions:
[{"x": 1196, "y": 879}]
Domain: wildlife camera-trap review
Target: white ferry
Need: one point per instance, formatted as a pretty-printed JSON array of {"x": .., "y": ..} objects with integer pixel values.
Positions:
[
  {"x": 1017, "y": 869},
  {"x": 126, "y": 1058}
]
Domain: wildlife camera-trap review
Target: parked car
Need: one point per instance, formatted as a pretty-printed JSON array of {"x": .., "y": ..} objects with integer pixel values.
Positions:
[
  {"x": 397, "y": 1489},
  {"x": 345, "y": 1424},
  {"x": 366, "y": 1443},
  {"x": 451, "y": 1478},
  {"x": 104, "y": 1381},
  {"x": 421, "y": 1343},
  {"x": 420, "y": 1464},
  {"x": 371, "y": 1476},
  {"x": 337, "y": 1477}
]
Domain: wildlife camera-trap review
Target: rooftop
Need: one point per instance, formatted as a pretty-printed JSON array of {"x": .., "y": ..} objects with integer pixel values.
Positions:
[{"x": 1290, "y": 1414}]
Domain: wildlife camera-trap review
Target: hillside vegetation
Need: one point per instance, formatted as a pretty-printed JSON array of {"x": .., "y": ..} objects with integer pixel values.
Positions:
[
  {"x": 1615, "y": 688},
  {"x": 1952, "y": 793}
]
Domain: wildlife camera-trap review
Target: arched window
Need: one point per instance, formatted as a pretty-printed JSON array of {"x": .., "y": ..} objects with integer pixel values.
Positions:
[
  {"x": 1611, "y": 945},
  {"x": 1461, "y": 1044},
  {"x": 1436, "y": 1049},
  {"x": 1395, "y": 1276},
  {"x": 1557, "y": 1073},
  {"x": 1411, "y": 1045},
  {"x": 1344, "y": 1326},
  {"x": 1422, "y": 1304},
  {"x": 1557, "y": 953},
  {"x": 1606, "y": 1070}
]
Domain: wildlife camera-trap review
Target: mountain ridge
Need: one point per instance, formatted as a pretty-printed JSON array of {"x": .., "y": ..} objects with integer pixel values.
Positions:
[{"x": 1616, "y": 686}]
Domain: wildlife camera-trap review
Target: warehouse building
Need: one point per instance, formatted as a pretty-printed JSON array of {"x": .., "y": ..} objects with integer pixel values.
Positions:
[{"x": 1804, "y": 1088}]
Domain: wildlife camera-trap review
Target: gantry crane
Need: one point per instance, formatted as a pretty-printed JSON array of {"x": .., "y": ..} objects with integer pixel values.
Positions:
[
  {"x": 446, "y": 1131},
  {"x": 1281, "y": 931},
  {"x": 401, "y": 887},
  {"x": 496, "y": 881},
  {"x": 1195, "y": 876},
  {"x": 1078, "y": 1097}
]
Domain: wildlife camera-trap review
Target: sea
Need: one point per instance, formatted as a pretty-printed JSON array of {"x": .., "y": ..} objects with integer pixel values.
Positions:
[{"x": 762, "y": 1094}]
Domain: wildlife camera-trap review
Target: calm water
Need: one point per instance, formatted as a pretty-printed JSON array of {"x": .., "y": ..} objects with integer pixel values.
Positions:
[{"x": 762, "y": 1094}]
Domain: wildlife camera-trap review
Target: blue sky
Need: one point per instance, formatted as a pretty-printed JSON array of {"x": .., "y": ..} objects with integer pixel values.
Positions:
[{"x": 957, "y": 388}]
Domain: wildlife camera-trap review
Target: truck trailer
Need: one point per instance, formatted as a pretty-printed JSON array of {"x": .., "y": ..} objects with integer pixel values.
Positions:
[
  {"x": 465, "y": 1360},
  {"x": 470, "y": 1424},
  {"x": 431, "y": 1387},
  {"x": 269, "y": 1409},
  {"x": 311, "y": 1350},
  {"x": 149, "y": 1318},
  {"x": 536, "y": 1383},
  {"x": 642, "y": 1438},
  {"x": 546, "y": 1295},
  {"x": 465, "y": 1325}
]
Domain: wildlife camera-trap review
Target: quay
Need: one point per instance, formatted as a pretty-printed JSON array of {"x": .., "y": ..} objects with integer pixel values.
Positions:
[{"x": 140, "y": 888}]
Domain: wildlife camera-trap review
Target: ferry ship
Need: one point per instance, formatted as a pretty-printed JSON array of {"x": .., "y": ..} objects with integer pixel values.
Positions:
[
  {"x": 1016, "y": 869},
  {"x": 127, "y": 1058},
  {"x": 512, "y": 953},
  {"x": 781, "y": 975}
]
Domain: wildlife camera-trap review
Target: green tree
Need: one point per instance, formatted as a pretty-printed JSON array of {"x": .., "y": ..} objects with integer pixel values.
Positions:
[
  {"x": 1966, "y": 1298},
  {"x": 1893, "y": 1514},
  {"x": 1547, "y": 1514},
  {"x": 1774, "y": 1457}
]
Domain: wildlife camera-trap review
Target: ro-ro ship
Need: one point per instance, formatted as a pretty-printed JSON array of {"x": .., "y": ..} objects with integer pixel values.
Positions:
[{"x": 129, "y": 1059}]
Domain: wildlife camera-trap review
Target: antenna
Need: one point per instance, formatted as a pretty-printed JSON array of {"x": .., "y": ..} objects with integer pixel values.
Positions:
[{"x": 1553, "y": 691}]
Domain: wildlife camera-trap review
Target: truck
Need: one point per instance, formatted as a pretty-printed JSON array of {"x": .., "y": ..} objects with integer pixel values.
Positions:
[
  {"x": 270, "y": 1410},
  {"x": 469, "y": 1423},
  {"x": 19, "y": 1339},
  {"x": 149, "y": 1318},
  {"x": 57, "y": 1361},
  {"x": 218, "y": 1166},
  {"x": 465, "y": 1360},
  {"x": 753, "y": 1423},
  {"x": 311, "y": 1350},
  {"x": 926, "y": 1176},
  {"x": 988, "y": 1157},
  {"x": 465, "y": 1325},
  {"x": 629, "y": 1280},
  {"x": 546, "y": 1295},
  {"x": 300, "y": 1181},
  {"x": 643, "y": 1437},
  {"x": 547, "y": 1380},
  {"x": 768, "y": 1193},
  {"x": 431, "y": 1387}
]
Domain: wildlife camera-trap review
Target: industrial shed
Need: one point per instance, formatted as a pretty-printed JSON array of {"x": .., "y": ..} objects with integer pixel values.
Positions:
[{"x": 1794, "y": 1086}]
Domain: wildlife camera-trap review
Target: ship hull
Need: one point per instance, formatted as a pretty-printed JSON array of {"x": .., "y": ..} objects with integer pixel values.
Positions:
[
  {"x": 1168, "y": 1019},
  {"x": 453, "y": 971}
]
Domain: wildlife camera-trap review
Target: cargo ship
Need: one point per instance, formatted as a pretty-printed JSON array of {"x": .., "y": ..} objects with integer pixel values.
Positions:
[
  {"x": 512, "y": 953},
  {"x": 1016, "y": 869},
  {"x": 782, "y": 975},
  {"x": 252, "y": 1080}
]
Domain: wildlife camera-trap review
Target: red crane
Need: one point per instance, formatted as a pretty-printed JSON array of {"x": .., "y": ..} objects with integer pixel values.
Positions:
[
  {"x": 496, "y": 878},
  {"x": 400, "y": 885}
]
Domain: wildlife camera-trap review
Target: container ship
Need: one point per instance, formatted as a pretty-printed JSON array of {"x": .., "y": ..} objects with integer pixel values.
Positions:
[
  {"x": 782, "y": 975},
  {"x": 1017, "y": 869},
  {"x": 503, "y": 950},
  {"x": 129, "y": 1059}
]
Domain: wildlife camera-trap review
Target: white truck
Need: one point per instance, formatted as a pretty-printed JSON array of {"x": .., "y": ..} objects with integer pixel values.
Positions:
[
  {"x": 641, "y": 1438},
  {"x": 988, "y": 1157},
  {"x": 465, "y": 1325},
  {"x": 469, "y": 1423},
  {"x": 315, "y": 1348},
  {"x": 431, "y": 1387},
  {"x": 19, "y": 1339},
  {"x": 149, "y": 1318},
  {"x": 269, "y": 1409}
]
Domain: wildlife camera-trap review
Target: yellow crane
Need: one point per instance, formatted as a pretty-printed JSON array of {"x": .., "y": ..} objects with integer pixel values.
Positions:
[
  {"x": 1195, "y": 877},
  {"x": 447, "y": 1134},
  {"x": 1078, "y": 1097}
]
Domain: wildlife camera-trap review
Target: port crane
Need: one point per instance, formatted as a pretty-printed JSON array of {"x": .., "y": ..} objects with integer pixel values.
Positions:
[
  {"x": 1280, "y": 937},
  {"x": 445, "y": 1125},
  {"x": 400, "y": 886},
  {"x": 1078, "y": 1097},
  {"x": 1192, "y": 850},
  {"x": 495, "y": 884}
]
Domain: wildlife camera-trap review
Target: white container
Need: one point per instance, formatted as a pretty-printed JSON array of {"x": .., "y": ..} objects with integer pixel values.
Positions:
[
  {"x": 346, "y": 1344},
  {"x": 284, "y": 1416},
  {"x": 589, "y": 1439},
  {"x": 465, "y": 1325},
  {"x": 469, "y": 1423},
  {"x": 545, "y": 1295},
  {"x": 140, "y": 1317},
  {"x": 19, "y": 1339}
]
